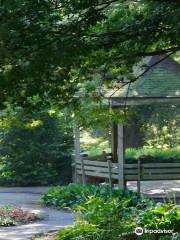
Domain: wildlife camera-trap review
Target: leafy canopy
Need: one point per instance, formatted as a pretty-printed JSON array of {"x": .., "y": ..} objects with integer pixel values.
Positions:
[{"x": 48, "y": 48}]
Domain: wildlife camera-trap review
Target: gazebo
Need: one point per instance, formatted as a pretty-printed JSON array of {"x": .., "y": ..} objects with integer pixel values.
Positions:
[{"x": 159, "y": 84}]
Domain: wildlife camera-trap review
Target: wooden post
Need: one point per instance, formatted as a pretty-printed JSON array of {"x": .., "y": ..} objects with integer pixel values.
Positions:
[
  {"x": 121, "y": 157},
  {"x": 78, "y": 157},
  {"x": 139, "y": 177},
  {"x": 114, "y": 143},
  {"x": 83, "y": 172},
  {"x": 109, "y": 172}
]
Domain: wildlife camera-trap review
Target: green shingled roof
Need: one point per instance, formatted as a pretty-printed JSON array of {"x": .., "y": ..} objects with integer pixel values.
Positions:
[{"x": 162, "y": 81}]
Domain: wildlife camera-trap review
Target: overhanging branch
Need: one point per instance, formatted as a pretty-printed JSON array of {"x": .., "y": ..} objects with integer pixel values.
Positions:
[{"x": 158, "y": 52}]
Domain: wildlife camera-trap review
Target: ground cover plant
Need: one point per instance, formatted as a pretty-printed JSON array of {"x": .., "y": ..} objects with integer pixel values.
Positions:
[
  {"x": 102, "y": 213},
  {"x": 75, "y": 194},
  {"x": 115, "y": 220},
  {"x": 161, "y": 216},
  {"x": 11, "y": 215}
]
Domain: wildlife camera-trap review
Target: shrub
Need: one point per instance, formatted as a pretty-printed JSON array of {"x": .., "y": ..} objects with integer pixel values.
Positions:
[
  {"x": 103, "y": 213},
  {"x": 83, "y": 232},
  {"x": 113, "y": 216},
  {"x": 165, "y": 216},
  {"x": 119, "y": 221},
  {"x": 153, "y": 155},
  {"x": 36, "y": 151},
  {"x": 115, "y": 220},
  {"x": 74, "y": 194}
]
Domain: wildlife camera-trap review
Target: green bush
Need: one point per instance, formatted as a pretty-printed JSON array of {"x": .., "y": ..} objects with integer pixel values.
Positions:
[
  {"x": 119, "y": 220},
  {"x": 113, "y": 216},
  {"x": 83, "y": 232},
  {"x": 103, "y": 213},
  {"x": 74, "y": 194},
  {"x": 165, "y": 216},
  {"x": 116, "y": 220},
  {"x": 36, "y": 150},
  {"x": 153, "y": 154},
  {"x": 132, "y": 154}
]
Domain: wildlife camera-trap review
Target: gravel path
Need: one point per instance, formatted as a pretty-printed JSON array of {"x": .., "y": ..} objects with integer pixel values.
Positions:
[{"x": 28, "y": 199}]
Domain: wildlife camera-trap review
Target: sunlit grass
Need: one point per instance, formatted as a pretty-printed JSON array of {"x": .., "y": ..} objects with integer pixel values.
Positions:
[
  {"x": 165, "y": 154},
  {"x": 95, "y": 146}
]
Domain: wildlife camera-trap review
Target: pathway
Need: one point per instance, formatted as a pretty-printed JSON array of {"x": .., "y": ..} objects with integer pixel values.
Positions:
[
  {"x": 158, "y": 189},
  {"x": 28, "y": 199}
]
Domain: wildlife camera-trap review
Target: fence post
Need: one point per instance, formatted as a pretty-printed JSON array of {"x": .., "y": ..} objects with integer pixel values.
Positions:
[
  {"x": 83, "y": 172},
  {"x": 139, "y": 177},
  {"x": 121, "y": 178},
  {"x": 109, "y": 173},
  {"x": 78, "y": 157}
]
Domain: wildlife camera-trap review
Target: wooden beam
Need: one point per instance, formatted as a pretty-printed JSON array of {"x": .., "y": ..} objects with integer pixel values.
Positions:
[
  {"x": 114, "y": 143},
  {"x": 78, "y": 157},
  {"x": 109, "y": 173},
  {"x": 121, "y": 157},
  {"x": 133, "y": 101},
  {"x": 139, "y": 177}
]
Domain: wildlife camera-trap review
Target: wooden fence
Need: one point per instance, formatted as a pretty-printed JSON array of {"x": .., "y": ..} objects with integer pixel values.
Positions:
[{"x": 132, "y": 172}]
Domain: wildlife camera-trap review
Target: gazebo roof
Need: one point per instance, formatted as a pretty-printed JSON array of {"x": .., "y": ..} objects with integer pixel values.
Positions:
[{"x": 160, "y": 84}]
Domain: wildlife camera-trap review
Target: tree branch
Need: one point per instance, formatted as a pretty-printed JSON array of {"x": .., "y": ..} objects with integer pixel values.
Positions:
[
  {"x": 140, "y": 75},
  {"x": 158, "y": 52},
  {"x": 153, "y": 65}
]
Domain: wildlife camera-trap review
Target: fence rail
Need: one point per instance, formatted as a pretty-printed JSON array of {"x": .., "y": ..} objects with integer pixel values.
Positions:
[{"x": 132, "y": 172}]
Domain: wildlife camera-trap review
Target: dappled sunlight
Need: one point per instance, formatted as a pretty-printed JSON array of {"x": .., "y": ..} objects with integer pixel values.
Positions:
[
  {"x": 26, "y": 231},
  {"x": 94, "y": 145},
  {"x": 157, "y": 187},
  {"x": 28, "y": 198}
]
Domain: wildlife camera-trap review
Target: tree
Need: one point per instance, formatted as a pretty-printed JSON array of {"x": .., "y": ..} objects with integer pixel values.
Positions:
[
  {"x": 36, "y": 150},
  {"x": 48, "y": 48}
]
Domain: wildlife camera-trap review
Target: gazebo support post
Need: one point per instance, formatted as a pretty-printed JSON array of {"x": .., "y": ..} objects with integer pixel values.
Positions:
[
  {"x": 121, "y": 156},
  {"x": 78, "y": 157},
  {"x": 114, "y": 142}
]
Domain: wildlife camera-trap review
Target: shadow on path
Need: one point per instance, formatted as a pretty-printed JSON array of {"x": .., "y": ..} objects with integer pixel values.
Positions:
[{"x": 28, "y": 199}]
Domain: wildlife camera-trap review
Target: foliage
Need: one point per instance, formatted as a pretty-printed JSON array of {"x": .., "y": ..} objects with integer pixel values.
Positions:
[
  {"x": 93, "y": 113},
  {"x": 35, "y": 150},
  {"x": 151, "y": 126},
  {"x": 153, "y": 154},
  {"x": 11, "y": 215},
  {"x": 102, "y": 216},
  {"x": 159, "y": 128},
  {"x": 95, "y": 146},
  {"x": 74, "y": 194},
  {"x": 93, "y": 143},
  {"x": 114, "y": 216},
  {"x": 113, "y": 220},
  {"x": 85, "y": 231},
  {"x": 48, "y": 47},
  {"x": 164, "y": 216}
]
